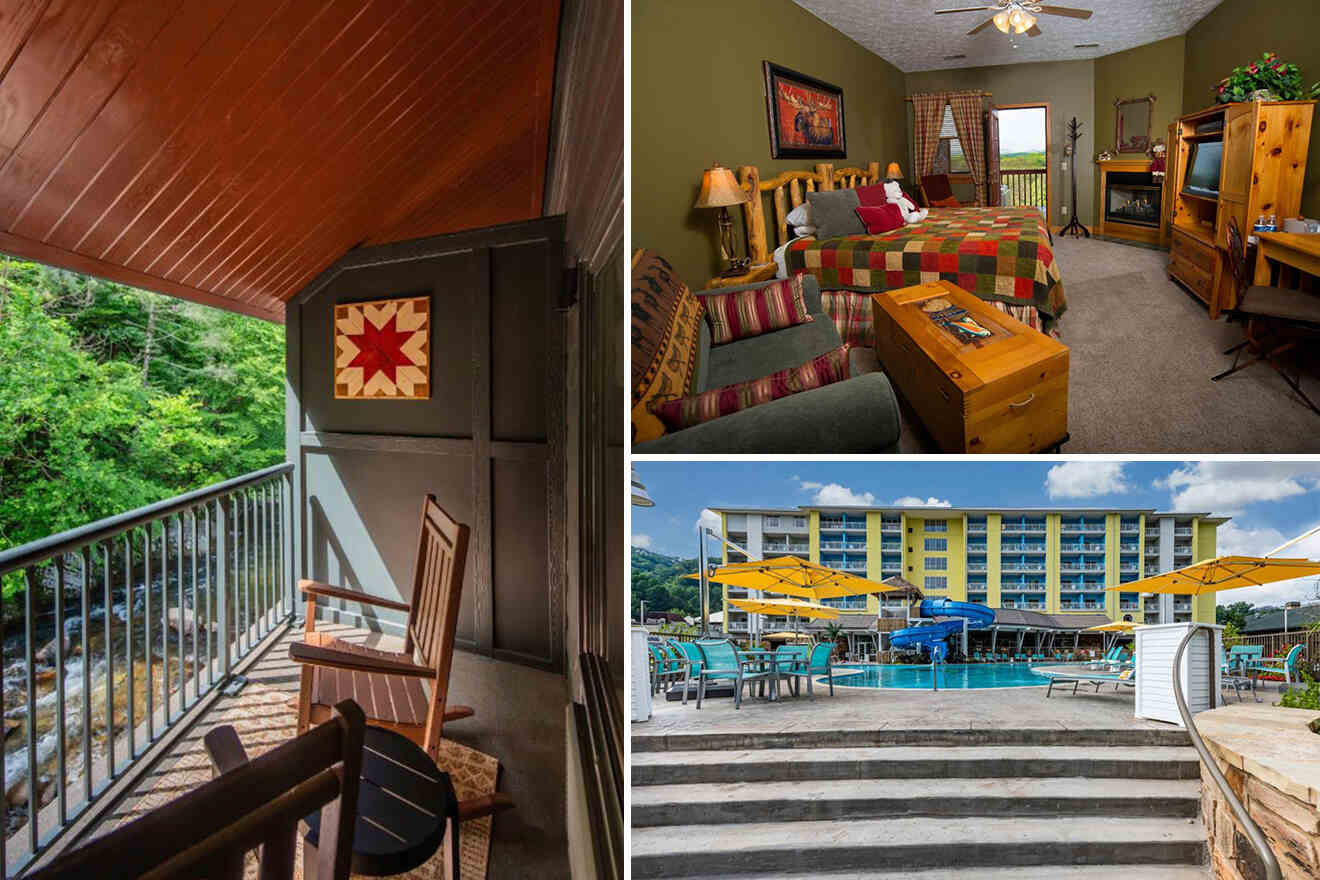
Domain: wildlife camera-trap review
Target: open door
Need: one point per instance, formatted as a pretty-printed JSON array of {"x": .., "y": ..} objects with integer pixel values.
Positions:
[{"x": 992, "y": 176}]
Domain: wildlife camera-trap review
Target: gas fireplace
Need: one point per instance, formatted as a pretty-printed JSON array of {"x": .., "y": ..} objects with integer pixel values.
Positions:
[{"x": 1132, "y": 197}]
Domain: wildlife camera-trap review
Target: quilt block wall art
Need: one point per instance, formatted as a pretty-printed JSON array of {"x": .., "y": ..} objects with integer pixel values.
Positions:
[{"x": 383, "y": 349}]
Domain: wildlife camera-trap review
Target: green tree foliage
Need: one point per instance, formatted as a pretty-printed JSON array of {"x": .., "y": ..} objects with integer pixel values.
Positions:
[
  {"x": 112, "y": 398},
  {"x": 1236, "y": 614},
  {"x": 659, "y": 581}
]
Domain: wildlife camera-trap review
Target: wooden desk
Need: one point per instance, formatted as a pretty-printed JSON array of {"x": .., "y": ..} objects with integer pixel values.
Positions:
[{"x": 1293, "y": 249}]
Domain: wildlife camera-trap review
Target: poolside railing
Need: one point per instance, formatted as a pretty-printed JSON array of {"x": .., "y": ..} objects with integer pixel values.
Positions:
[{"x": 143, "y": 614}]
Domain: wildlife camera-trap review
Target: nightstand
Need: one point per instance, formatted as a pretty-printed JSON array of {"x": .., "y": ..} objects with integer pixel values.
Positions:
[{"x": 760, "y": 272}]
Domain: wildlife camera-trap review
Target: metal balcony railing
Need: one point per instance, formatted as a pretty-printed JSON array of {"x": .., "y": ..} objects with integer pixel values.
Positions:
[
  {"x": 795, "y": 548},
  {"x": 976, "y": 548},
  {"x": 890, "y": 527},
  {"x": 1182, "y": 532},
  {"x": 143, "y": 614},
  {"x": 1129, "y": 528},
  {"x": 1021, "y": 529},
  {"x": 976, "y": 528},
  {"x": 893, "y": 546},
  {"x": 976, "y": 566},
  {"x": 1082, "y": 548},
  {"x": 1152, "y": 533}
]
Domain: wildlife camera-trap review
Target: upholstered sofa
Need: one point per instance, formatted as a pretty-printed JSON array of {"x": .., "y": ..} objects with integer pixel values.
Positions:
[{"x": 672, "y": 354}]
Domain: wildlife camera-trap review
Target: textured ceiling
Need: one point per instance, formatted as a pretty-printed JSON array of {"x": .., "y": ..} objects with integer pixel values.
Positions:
[{"x": 908, "y": 34}]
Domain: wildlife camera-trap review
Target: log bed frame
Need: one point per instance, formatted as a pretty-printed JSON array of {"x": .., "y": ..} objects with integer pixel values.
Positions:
[{"x": 787, "y": 190}]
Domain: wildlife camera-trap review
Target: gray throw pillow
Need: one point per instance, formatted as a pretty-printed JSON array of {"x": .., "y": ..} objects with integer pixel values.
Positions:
[{"x": 835, "y": 213}]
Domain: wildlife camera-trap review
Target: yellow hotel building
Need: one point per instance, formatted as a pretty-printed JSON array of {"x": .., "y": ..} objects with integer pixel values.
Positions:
[{"x": 1055, "y": 561}]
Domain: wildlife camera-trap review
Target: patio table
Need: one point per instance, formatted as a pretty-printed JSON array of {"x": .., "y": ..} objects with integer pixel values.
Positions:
[
  {"x": 406, "y": 808},
  {"x": 772, "y": 659}
]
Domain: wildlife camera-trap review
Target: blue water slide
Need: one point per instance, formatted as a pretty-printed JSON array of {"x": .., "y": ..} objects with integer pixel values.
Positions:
[{"x": 933, "y": 635}]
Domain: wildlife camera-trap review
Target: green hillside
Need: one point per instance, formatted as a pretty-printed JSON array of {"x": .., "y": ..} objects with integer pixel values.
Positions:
[
  {"x": 1022, "y": 160},
  {"x": 660, "y": 581}
]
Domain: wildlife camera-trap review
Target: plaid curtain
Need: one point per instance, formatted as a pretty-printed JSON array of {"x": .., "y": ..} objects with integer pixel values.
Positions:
[
  {"x": 927, "y": 112},
  {"x": 966, "y": 108}
]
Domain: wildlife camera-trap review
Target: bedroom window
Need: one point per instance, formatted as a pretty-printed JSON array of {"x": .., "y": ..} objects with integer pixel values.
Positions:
[{"x": 949, "y": 158}]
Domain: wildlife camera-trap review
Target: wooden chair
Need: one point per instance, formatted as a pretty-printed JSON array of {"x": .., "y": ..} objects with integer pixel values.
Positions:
[
  {"x": 938, "y": 191},
  {"x": 1276, "y": 318},
  {"x": 387, "y": 684},
  {"x": 207, "y": 832}
]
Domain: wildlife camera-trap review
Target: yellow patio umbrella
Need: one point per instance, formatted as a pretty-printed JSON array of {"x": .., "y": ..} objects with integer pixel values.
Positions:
[
  {"x": 1223, "y": 573},
  {"x": 794, "y": 607},
  {"x": 1114, "y": 626},
  {"x": 792, "y": 576}
]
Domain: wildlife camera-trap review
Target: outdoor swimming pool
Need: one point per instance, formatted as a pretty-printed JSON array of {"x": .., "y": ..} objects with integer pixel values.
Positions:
[{"x": 954, "y": 676}]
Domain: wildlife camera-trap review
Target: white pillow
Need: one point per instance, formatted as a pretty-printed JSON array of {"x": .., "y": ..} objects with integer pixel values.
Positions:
[
  {"x": 803, "y": 231},
  {"x": 801, "y": 216}
]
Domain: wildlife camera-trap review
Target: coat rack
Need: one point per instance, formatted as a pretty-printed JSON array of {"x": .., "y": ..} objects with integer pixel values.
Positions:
[{"x": 1074, "y": 226}]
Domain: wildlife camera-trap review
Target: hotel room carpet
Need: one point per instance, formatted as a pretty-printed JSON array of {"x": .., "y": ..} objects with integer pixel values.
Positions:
[{"x": 1143, "y": 352}]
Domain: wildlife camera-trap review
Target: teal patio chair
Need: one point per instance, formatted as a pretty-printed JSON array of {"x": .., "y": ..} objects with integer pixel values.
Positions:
[
  {"x": 1285, "y": 666},
  {"x": 819, "y": 663},
  {"x": 692, "y": 663},
  {"x": 722, "y": 663},
  {"x": 1241, "y": 656},
  {"x": 664, "y": 669},
  {"x": 787, "y": 659}
]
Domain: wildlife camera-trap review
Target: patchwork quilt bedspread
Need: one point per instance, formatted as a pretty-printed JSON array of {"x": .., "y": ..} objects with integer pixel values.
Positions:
[{"x": 999, "y": 254}]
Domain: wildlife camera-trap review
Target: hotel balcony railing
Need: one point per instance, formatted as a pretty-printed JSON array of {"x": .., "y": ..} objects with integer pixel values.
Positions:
[
  {"x": 1182, "y": 532},
  {"x": 1072, "y": 566},
  {"x": 853, "y": 566},
  {"x": 129, "y": 625},
  {"x": 976, "y": 528},
  {"x": 852, "y": 603},
  {"x": 792, "y": 548},
  {"x": 1022, "y": 187},
  {"x": 976, "y": 566},
  {"x": 891, "y": 527},
  {"x": 1081, "y": 528},
  {"x": 1128, "y": 568},
  {"x": 1020, "y": 566},
  {"x": 1127, "y": 547},
  {"x": 1022, "y": 548},
  {"x": 976, "y": 548},
  {"x": 1185, "y": 607},
  {"x": 1082, "y": 548},
  {"x": 1182, "y": 551},
  {"x": 1152, "y": 533},
  {"x": 895, "y": 546},
  {"x": 1020, "y": 529},
  {"x": 738, "y": 626},
  {"x": 1080, "y": 606},
  {"x": 1129, "y": 606},
  {"x": 1129, "y": 528}
]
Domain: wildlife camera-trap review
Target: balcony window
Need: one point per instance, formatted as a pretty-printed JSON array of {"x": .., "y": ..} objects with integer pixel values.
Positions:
[
  {"x": 936, "y": 545},
  {"x": 937, "y": 525},
  {"x": 936, "y": 582},
  {"x": 937, "y": 563}
]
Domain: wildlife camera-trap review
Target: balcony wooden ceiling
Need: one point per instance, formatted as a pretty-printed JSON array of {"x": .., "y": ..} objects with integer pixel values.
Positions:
[{"x": 228, "y": 151}]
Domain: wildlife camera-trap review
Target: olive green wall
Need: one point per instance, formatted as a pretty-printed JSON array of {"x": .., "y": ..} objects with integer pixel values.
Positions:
[
  {"x": 1153, "y": 69},
  {"x": 1239, "y": 31},
  {"x": 1068, "y": 86},
  {"x": 698, "y": 96}
]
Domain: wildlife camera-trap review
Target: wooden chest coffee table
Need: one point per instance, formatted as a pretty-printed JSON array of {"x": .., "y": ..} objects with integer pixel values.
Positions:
[{"x": 979, "y": 380}]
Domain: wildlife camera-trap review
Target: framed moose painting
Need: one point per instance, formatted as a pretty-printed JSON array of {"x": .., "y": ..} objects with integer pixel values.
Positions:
[{"x": 806, "y": 115}]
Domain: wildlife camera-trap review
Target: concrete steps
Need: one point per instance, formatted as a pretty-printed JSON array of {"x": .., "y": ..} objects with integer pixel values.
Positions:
[
  {"x": 871, "y": 804},
  {"x": 739, "y": 802},
  {"x": 913, "y": 762}
]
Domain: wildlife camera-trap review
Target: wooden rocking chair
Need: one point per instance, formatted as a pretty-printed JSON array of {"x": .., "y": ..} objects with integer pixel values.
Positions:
[
  {"x": 387, "y": 684},
  {"x": 208, "y": 831}
]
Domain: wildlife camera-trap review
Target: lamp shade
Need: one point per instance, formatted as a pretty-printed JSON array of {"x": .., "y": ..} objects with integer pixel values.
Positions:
[
  {"x": 893, "y": 172},
  {"x": 719, "y": 189}
]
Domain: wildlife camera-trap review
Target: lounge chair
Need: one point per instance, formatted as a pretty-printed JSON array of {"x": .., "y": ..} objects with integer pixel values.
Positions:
[
  {"x": 818, "y": 663},
  {"x": 1099, "y": 679},
  {"x": 721, "y": 661}
]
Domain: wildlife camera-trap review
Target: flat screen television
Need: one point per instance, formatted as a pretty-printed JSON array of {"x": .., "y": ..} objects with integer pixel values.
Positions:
[{"x": 1203, "y": 169}]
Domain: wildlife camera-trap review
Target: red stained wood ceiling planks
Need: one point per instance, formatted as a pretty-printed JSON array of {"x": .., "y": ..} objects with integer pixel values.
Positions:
[{"x": 228, "y": 151}]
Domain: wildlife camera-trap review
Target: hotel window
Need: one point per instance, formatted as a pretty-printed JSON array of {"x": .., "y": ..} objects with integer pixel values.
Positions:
[
  {"x": 937, "y": 583},
  {"x": 949, "y": 158},
  {"x": 937, "y": 525},
  {"x": 937, "y": 563},
  {"x": 937, "y": 545}
]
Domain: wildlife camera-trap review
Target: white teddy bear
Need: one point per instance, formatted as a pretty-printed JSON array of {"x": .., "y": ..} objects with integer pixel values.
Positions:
[{"x": 911, "y": 213}]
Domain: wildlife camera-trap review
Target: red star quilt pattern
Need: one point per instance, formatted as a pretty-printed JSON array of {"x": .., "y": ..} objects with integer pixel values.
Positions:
[{"x": 383, "y": 349}]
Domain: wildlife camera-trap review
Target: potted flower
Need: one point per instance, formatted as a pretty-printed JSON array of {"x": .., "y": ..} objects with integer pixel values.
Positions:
[{"x": 1268, "y": 79}]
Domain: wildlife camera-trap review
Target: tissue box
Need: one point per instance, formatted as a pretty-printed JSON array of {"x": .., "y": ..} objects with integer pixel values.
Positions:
[{"x": 1301, "y": 225}]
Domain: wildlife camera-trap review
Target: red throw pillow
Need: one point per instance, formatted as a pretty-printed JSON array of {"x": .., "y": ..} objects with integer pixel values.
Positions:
[
  {"x": 872, "y": 195},
  {"x": 880, "y": 218},
  {"x": 745, "y": 313},
  {"x": 684, "y": 412}
]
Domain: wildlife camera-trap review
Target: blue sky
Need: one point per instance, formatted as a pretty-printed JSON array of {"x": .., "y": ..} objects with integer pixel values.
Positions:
[
  {"x": 1270, "y": 502},
  {"x": 1022, "y": 131}
]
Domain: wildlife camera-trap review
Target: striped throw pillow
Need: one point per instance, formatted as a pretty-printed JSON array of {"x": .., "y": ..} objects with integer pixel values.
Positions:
[
  {"x": 745, "y": 313},
  {"x": 684, "y": 412}
]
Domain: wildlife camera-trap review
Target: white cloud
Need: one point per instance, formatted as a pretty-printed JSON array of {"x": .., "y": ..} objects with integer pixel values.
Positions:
[
  {"x": 1234, "y": 539},
  {"x": 708, "y": 519},
  {"x": 1086, "y": 479},
  {"x": 1228, "y": 486},
  {"x": 914, "y": 501},
  {"x": 643, "y": 541},
  {"x": 835, "y": 495}
]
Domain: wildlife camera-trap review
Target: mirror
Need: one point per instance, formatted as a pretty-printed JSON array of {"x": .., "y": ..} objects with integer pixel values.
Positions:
[{"x": 1132, "y": 118}]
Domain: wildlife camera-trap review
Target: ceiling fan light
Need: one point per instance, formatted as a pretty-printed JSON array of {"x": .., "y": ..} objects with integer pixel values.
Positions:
[
  {"x": 1026, "y": 23},
  {"x": 1001, "y": 21}
]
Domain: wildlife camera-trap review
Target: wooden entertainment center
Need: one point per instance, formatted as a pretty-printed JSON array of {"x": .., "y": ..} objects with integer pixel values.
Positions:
[{"x": 1261, "y": 172}]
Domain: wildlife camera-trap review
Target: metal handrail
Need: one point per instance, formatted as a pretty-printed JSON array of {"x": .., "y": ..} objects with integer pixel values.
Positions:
[{"x": 1254, "y": 834}]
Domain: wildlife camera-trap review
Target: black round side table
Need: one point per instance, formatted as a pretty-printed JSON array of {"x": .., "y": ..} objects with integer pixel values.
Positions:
[{"x": 405, "y": 804}]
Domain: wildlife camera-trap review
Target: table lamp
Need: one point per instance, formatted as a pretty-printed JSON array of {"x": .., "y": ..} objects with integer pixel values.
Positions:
[
  {"x": 720, "y": 189},
  {"x": 893, "y": 172}
]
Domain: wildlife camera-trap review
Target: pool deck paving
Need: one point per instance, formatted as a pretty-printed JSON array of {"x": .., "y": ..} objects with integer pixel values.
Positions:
[{"x": 854, "y": 708}]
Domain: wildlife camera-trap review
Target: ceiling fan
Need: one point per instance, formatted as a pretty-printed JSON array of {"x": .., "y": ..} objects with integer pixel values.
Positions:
[{"x": 1016, "y": 16}]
